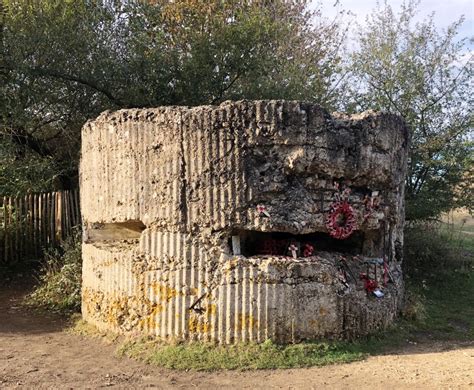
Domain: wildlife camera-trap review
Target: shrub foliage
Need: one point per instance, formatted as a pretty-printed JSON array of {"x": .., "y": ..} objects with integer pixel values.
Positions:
[{"x": 59, "y": 287}]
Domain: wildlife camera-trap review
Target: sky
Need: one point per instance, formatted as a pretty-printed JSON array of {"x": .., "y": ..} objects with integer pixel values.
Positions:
[{"x": 446, "y": 11}]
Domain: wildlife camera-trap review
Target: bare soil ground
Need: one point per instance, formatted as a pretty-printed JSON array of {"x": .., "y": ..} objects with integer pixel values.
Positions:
[{"x": 36, "y": 352}]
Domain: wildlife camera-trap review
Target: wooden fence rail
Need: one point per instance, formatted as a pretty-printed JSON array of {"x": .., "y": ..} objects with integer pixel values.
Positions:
[{"x": 32, "y": 222}]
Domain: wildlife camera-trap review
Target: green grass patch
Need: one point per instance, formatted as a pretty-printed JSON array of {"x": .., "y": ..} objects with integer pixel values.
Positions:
[
  {"x": 268, "y": 355},
  {"x": 450, "y": 306}
]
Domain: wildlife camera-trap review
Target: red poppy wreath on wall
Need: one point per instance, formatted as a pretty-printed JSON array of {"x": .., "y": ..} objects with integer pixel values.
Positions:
[{"x": 341, "y": 220}]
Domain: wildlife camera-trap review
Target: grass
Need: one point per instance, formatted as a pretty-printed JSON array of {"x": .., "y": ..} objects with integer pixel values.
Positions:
[
  {"x": 450, "y": 307},
  {"x": 268, "y": 355}
]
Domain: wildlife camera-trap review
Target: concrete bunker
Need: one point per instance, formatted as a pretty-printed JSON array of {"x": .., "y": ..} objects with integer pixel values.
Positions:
[{"x": 247, "y": 221}]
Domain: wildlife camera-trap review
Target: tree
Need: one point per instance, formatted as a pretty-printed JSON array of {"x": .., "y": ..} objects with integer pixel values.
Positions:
[
  {"x": 64, "y": 62},
  {"x": 53, "y": 61},
  {"x": 424, "y": 75}
]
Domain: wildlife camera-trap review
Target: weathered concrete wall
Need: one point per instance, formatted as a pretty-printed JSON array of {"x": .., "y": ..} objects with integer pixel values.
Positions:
[{"x": 163, "y": 190}]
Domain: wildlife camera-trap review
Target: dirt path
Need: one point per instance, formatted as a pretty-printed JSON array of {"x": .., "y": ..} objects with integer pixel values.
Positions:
[{"x": 36, "y": 353}]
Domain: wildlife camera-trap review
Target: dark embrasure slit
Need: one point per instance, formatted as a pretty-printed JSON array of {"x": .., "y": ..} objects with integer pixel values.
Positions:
[{"x": 253, "y": 243}]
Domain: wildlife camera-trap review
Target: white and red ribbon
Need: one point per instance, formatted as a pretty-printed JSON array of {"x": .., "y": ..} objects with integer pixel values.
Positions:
[{"x": 261, "y": 209}]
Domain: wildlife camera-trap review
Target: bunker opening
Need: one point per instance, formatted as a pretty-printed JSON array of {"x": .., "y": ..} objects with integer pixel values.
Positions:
[
  {"x": 113, "y": 232},
  {"x": 250, "y": 243}
]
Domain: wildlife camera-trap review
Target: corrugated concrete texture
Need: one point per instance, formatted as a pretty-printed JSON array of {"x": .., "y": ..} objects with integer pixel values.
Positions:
[{"x": 164, "y": 190}]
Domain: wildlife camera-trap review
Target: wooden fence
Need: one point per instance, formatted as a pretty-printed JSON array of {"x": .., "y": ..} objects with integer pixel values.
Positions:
[{"x": 32, "y": 222}]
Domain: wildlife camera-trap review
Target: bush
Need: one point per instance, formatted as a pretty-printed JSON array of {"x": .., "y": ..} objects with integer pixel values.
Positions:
[{"x": 59, "y": 287}]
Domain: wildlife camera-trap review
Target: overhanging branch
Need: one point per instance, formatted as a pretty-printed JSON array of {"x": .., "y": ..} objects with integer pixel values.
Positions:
[{"x": 80, "y": 80}]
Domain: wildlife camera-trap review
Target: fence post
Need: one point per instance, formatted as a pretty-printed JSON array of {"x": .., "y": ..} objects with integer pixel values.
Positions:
[
  {"x": 5, "y": 224},
  {"x": 58, "y": 217},
  {"x": 17, "y": 229}
]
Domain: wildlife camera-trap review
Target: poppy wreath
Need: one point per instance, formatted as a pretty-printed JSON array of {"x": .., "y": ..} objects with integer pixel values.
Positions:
[{"x": 341, "y": 220}]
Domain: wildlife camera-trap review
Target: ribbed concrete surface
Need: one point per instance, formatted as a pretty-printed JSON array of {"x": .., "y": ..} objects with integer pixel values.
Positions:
[
  {"x": 193, "y": 177},
  {"x": 250, "y": 300}
]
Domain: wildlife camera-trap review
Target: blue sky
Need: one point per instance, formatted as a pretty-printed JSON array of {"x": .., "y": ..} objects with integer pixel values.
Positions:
[{"x": 446, "y": 11}]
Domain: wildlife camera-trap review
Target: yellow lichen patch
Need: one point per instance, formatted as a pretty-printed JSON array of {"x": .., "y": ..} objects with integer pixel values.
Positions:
[
  {"x": 323, "y": 311},
  {"x": 117, "y": 310},
  {"x": 92, "y": 302},
  {"x": 211, "y": 309},
  {"x": 120, "y": 313},
  {"x": 245, "y": 321},
  {"x": 195, "y": 326},
  {"x": 150, "y": 321},
  {"x": 163, "y": 292},
  {"x": 157, "y": 308}
]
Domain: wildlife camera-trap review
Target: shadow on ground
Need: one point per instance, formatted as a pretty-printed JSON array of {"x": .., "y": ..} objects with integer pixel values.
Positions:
[{"x": 15, "y": 318}]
